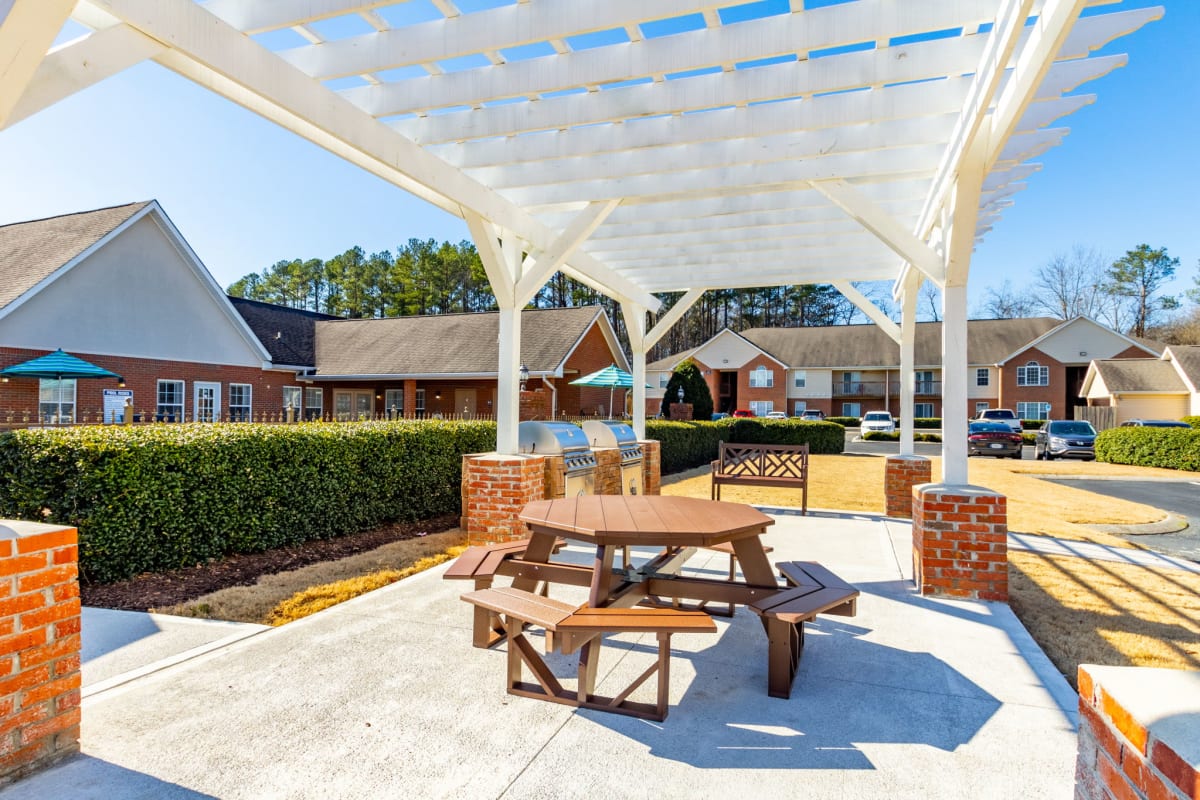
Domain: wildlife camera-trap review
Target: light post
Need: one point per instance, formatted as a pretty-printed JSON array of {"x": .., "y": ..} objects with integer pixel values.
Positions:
[{"x": 680, "y": 393}]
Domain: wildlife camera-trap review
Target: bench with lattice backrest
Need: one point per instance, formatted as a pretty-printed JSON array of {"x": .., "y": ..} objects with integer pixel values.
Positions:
[{"x": 784, "y": 465}]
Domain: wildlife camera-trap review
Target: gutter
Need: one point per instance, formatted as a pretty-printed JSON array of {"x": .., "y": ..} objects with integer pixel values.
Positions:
[{"x": 553, "y": 395}]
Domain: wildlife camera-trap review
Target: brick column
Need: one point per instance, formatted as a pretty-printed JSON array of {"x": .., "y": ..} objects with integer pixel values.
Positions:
[
  {"x": 681, "y": 411},
  {"x": 410, "y": 398},
  {"x": 960, "y": 541},
  {"x": 900, "y": 475},
  {"x": 39, "y": 646},
  {"x": 532, "y": 406},
  {"x": 1139, "y": 733},
  {"x": 608, "y": 470},
  {"x": 651, "y": 466},
  {"x": 494, "y": 490}
]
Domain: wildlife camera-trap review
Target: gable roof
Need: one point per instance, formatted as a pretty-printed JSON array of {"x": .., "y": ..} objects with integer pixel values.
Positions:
[
  {"x": 1149, "y": 345},
  {"x": 32, "y": 251},
  {"x": 289, "y": 334},
  {"x": 836, "y": 346},
  {"x": 1138, "y": 375},
  {"x": 449, "y": 344},
  {"x": 1187, "y": 361}
]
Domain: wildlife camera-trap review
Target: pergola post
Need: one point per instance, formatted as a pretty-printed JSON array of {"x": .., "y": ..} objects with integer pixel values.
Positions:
[
  {"x": 635, "y": 326},
  {"x": 908, "y": 336},
  {"x": 954, "y": 385},
  {"x": 508, "y": 380}
]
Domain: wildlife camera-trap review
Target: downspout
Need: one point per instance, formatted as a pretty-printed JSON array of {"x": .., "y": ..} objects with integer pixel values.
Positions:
[{"x": 553, "y": 396}]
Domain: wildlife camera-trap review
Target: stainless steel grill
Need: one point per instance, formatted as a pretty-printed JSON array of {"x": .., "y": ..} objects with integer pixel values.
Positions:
[
  {"x": 566, "y": 440},
  {"x": 613, "y": 433}
]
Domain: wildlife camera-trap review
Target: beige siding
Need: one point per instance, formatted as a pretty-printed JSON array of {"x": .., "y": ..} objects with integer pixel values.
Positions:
[
  {"x": 726, "y": 351},
  {"x": 1083, "y": 341},
  {"x": 1151, "y": 406},
  {"x": 818, "y": 383}
]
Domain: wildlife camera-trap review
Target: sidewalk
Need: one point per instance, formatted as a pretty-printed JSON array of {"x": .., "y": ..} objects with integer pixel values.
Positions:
[{"x": 384, "y": 696}]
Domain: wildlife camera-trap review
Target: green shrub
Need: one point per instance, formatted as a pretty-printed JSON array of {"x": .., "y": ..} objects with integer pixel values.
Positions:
[
  {"x": 881, "y": 436},
  {"x": 1193, "y": 421},
  {"x": 695, "y": 391},
  {"x": 692, "y": 444},
  {"x": 160, "y": 497},
  {"x": 925, "y": 423},
  {"x": 821, "y": 437},
  {"x": 845, "y": 422},
  {"x": 1032, "y": 424},
  {"x": 1169, "y": 448}
]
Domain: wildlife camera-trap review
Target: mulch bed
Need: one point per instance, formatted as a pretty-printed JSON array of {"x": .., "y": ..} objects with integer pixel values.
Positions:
[{"x": 156, "y": 590}]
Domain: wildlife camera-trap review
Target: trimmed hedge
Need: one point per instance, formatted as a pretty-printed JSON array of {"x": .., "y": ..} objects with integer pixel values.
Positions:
[
  {"x": 692, "y": 444},
  {"x": 1169, "y": 448},
  {"x": 1193, "y": 421},
  {"x": 845, "y": 422},
  {"x": 166, "y": 496},
  {"x": 882, "y": 436}
]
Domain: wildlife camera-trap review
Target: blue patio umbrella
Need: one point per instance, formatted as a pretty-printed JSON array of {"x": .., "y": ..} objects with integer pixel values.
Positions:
[
  {"x": 57, "y": 366},
  {"x": 611, "y": 376}
]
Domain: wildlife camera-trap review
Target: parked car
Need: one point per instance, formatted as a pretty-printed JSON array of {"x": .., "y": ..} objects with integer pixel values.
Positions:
[
  {"x": 743, "y": 412},
  {"x": 1004, "y": 415},
  {"x": 813, "y": 413},
  {"x": 877, "y": 421},
  {"x": 1065, "y": 438},
  {"x": 993, "y": 439},
  {"x": 719, "y": 415},
  {"x": 776, "y": 415},
  {"x": 1154, "y": 423}
]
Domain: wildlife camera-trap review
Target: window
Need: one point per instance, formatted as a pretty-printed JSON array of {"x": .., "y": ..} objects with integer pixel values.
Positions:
[
  {"x": 801, "y": 378},
  {"x": 1033, "y": 410},
  {"x": 924, "y": 382},
  {"x": 292, "y": 399},
  {"x": 419, "y": 405},
  {"x": 239, "y": 402},
  {"x": 1033, "y": 374},
  {"x": 393, "y": 403},
  {"x": 761, "y": 378},
  {"x": 343, "y": 406},
  {"x": 801, "y": 407},
  {"x": 663, "y": 379},
  {"x": 982, "y": 376},
  {"x": 980, "y": 407},
  {"x": 761, "y": 408},
  {"x": 851, "y": 409},
  {"x": 314, "y": 403},
  {"x": 922, "y": 410},
  {"x": 56, "y": 399},
  {"x": 170, "y": 402}
]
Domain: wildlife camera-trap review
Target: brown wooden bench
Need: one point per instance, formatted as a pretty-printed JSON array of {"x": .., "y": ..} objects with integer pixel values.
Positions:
[
  {"x": 572, "y": 627},
  {"x": 813, "y": 590},
  {"x": 783, "y": 465},
  {"x": 481, "y": 564}
]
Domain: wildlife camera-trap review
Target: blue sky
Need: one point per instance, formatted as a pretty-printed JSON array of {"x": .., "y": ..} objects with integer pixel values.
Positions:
[{"x": 246, "y": 194}]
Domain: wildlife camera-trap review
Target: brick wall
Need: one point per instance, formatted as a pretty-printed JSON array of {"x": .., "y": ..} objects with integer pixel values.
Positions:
[
  {"x": 960, "y": 544},
  {"x": 533, "y": 405},
  {"x": 1139, "y": 734},
  {"x": 494, "y": 490},
  {"x": 1054, "y": 393},
  {"x": 901, "y": 474},
  {"x": 777, "y": 393},
  {"x": 39, "y": 646},
  {"x": 681, "y": 411},
  {"x": 20, "y": 395},
  {"x": 608, "y": 470},
  {"x": 592, "y": 354},
  {"x": 651, "y": 466}
]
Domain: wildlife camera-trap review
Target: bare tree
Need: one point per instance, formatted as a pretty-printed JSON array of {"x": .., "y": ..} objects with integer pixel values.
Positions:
[
  {"x": 1069, "y": 284},
  {"x": 1008, "y": 303},
  {"x": 929, "y": 302}
]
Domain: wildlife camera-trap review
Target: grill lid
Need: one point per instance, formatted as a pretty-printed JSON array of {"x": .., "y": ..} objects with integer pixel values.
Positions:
[
  {"x": 608, "y": 433},
  {"x": 550, "y": 438}
]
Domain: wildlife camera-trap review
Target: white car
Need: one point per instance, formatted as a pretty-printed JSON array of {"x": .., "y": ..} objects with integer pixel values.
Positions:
[
  {"x": 1005, "y": 416},
  {"x": 776, "y": 415},
  {"x": 877, "y": 421}
]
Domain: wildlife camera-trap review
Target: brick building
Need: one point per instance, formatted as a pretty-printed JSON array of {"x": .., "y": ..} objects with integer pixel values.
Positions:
[
  {"x": 1034, "y": 366},
  {"x": 121, "y": 288}
]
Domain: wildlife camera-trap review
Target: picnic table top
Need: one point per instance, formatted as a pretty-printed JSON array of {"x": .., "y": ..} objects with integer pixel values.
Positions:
[{"x": 645, "y": 519}]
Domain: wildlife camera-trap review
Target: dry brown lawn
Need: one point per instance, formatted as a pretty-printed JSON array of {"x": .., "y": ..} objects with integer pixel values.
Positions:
[{"x": 1079, "y": 611}]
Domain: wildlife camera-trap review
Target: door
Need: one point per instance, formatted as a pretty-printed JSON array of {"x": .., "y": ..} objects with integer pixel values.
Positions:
[
  {"x": 349, "y": 406},
  {"x": 206, "y": 405},
  {"x": 364, "y": 405},
  {"x": 728, "y": 390},
  {"x": 464, "y": 402}
]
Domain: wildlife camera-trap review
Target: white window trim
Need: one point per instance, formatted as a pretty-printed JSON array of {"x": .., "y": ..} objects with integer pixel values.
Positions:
[
  {"x": 761, "y": 408},
  {"x": 249, "y": 405},
  {"x": 387, "y": 403},
  {"x": 801, "y": 379},
  {"x": 758, "y": 375},
  {"x": 983, "y": 376},
  {"x": 59, "y": 401},
  {"x": 299, "y": 406},
  {"x": 419, "y": 402},
  {"x": 846, "y": 412},
  {"x": 1043, "y": 409},
  {"x": 182, "y": 399},
  {"x": 918, "y": 415},
  {"x": 319, "y": 407},
  {"x": 800, "y": 407},
  {"x": 981, "y": 405},
  {"x": 1042, "y": 374}
]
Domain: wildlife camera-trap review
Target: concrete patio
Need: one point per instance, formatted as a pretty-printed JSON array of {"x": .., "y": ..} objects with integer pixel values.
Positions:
[{"x": 384, "y": 696}]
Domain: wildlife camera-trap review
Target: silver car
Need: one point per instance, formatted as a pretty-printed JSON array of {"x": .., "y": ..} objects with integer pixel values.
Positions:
[{"x": 1065, "y": 438}]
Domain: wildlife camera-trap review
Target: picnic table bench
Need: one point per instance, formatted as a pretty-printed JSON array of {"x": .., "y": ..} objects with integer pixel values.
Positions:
[{"x": 784, "y": 465}]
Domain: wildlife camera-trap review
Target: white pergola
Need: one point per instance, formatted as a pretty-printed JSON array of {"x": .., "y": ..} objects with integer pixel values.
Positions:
[{"x": 644, "y": 146}]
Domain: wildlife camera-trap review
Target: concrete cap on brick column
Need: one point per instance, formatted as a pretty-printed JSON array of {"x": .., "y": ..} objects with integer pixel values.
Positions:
[
  {"x": 964, "y": 489},
  {"x": 1165, "y": 702},
  {"x": 907, "y": 458},
  {"x": 502, "y": 457},
  {"x": 18, "y": 528}
]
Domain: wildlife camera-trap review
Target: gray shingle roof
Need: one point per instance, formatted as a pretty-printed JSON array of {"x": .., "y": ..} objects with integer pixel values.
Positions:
[
  {"x": 446, "y": 343},
  {"x": 32, "y": 251},
  {"x": 988, "y": 342},
  {"x": 287, "y": 333},
  {"x": 1139, "y": 375},
  {"x": 1188, "y": 358}
]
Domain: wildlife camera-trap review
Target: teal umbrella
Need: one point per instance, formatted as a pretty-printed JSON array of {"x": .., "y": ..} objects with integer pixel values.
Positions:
[
  {"x": 57, "y": 366},
  {"x": 611, "y": 376}
]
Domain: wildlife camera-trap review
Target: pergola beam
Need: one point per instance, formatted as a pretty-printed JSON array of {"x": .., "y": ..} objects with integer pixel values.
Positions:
[
  {"x": 546, "y": 263},
  {"x": 672, "y": 316},
  {"x": 869, "y": 309},
  {"x": 27, "y": 29}
]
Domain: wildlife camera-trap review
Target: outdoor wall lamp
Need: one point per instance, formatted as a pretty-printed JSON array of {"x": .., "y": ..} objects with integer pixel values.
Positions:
[
  {"x": 120, "y": 382},
  {"x": 437, "y": 395},
  {"x": 524, "y": 376}
]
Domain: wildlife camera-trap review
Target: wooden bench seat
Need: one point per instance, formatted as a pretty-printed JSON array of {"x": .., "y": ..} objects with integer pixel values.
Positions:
[
  {"x": 573, "y": 627},
  {"x": 814, "y": 590},
  {"x": 783, "y": 465}
]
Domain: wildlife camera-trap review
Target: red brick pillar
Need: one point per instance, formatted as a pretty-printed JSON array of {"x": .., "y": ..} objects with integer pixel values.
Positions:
[
  {"x": 1139, "y": 733},
  {"x": 608, "y": 470},
  {"x": 39, "y": 646},
  {"x": 494, "y": 490},
  {"x": 681, "y": 411},
  {"x": 410, "y": 398},
  {"x": 960, "y": 541},
  {"x": 651, "y": 466},
  {"x": 900, "y": 475},
  {"x": 532, "y": 406}
]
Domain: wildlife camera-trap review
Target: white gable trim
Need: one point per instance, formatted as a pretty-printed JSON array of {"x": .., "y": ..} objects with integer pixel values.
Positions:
[
  {"x": 1170, "y": 356},
  {"x": 610, "y": 336},
  {"x": 1067, "y": 324},
  {"x": 697, "y": 351},
  {"x": 173, "y": 236}
]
